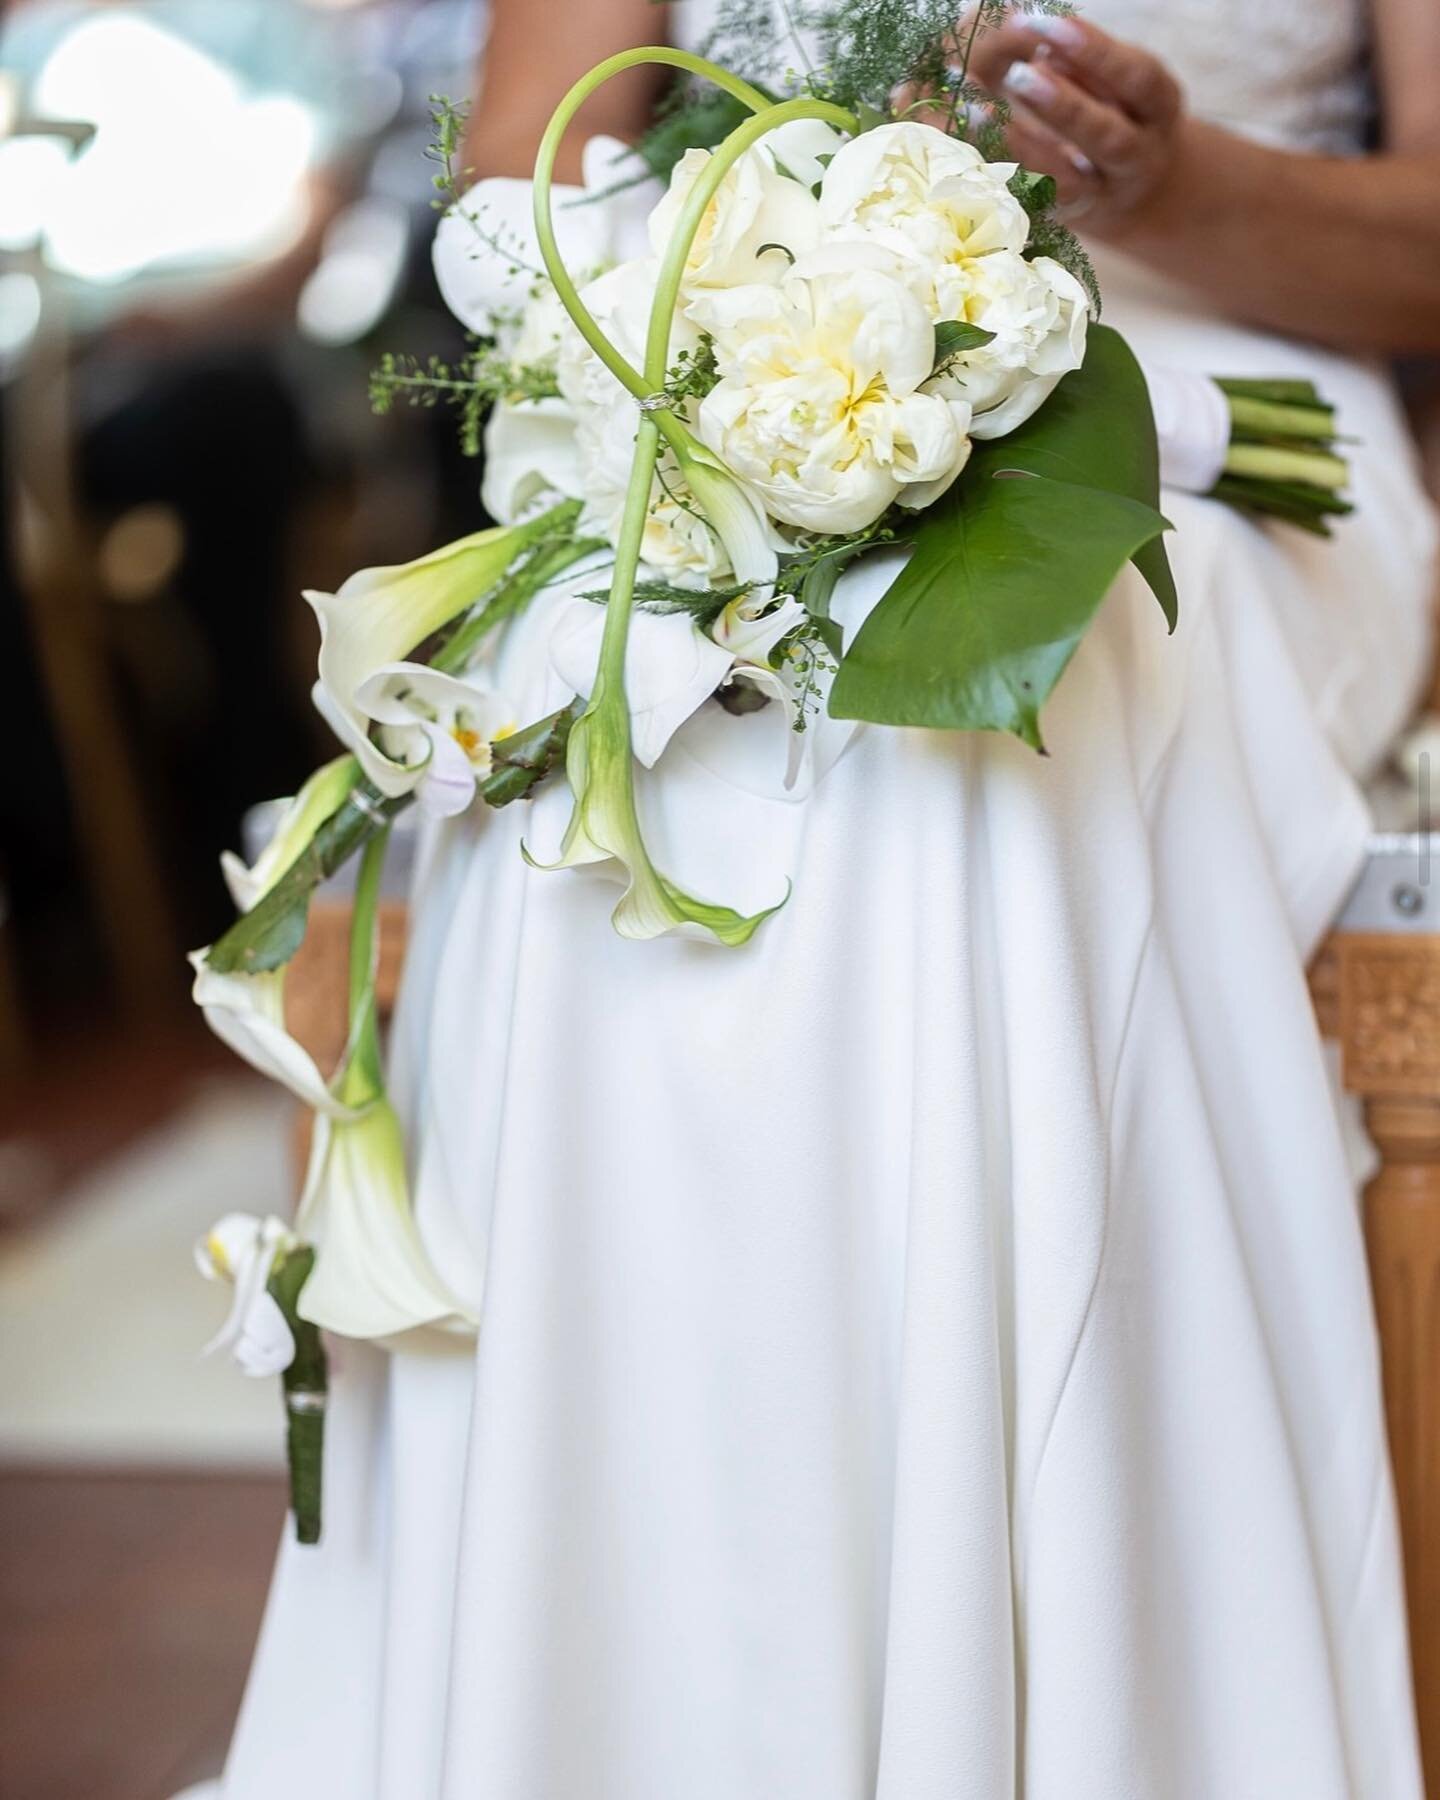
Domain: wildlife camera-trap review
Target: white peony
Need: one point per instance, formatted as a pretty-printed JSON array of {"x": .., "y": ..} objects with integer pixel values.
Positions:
[
  {"x": 1039, "y": 314},
  {"x": 819, "y": 408},
  {"x": 922, "y": 194},
  {"x": 763, "y": 209},
  {"x": 955, "y": 234}
]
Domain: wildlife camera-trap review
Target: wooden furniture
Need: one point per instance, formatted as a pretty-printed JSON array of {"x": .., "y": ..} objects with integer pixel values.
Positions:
[{"x": 1376, "y": 986}]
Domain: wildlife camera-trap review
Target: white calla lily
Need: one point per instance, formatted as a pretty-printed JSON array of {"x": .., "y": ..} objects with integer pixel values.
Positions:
[
  {"x": 735, "y": 513},
  {"x": 243, "y": 1250},
  {"x": 322, "y": 795},
  {"x": 379, "y": 616},
  {"x": 604, "y": 827},
  {"x": 247, "y": 1013},
  {"x": 372, "y": 1277},
  {"x": 440, "y": 722},
  {"x": 671, "y": 667},
  {"x": 752, "y": 642}
]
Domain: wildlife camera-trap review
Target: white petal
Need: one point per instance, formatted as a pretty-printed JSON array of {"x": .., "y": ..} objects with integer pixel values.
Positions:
[
  {"x": 265, "y": 1344},
  {"x": 799, "y": 145},
  {"x": 373, "y": 1277},
  {"x": 752, "y": 640},
  {"x": 448, "y": 785},
  {"x": 321, "y": 796},
  {"x": 529, "y": 450},
  {"x": 671, "y": 667},
  {"x": 379, "y": 616},
  {"x": 486, "y": 256},
  {"x": 246, "y": 1012},
  {"x": 612, "y": 168}
]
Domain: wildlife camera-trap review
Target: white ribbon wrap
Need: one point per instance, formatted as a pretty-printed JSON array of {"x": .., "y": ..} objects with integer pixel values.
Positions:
[{"x": 1192, "y": 421}]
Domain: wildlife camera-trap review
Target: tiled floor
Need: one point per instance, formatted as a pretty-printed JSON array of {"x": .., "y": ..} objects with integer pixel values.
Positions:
[{"x": 129, "y": 1606}]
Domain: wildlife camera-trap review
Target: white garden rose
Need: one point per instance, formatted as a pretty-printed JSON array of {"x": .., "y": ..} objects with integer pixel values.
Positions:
[
  {"x": 819, "y": 408},
  {"x": 1039, "y": 314},
  {"x": 955, "y": 234},
  {"x": 931, "y": 199},
  {"x": 763, "y": 209}
]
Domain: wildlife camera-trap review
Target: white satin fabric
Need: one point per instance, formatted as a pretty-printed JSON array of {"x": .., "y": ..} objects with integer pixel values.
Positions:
[{"x": 927, "y": 1354}]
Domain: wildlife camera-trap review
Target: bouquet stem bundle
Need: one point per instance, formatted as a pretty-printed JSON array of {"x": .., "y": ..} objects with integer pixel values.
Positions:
[{"x": 1281, "y": 459}]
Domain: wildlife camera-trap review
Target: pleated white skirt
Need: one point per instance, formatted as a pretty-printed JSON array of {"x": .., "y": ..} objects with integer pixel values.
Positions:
[{"x": 927, "y": 1354}]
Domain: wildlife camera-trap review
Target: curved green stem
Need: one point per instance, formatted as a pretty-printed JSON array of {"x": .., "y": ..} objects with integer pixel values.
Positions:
[
  {"x": 767, "y": 116},
  {"x": 707, "y": 185},
  {"x": 545, "y": 172},
  {"x": 627, "y": 564}
]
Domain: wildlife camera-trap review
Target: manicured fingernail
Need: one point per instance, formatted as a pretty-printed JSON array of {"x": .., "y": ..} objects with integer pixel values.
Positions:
[
  {"x": 1025, "y": 79},
  {"x": 1081, "y": 163},
  {"x": 1065, "y": 32}
]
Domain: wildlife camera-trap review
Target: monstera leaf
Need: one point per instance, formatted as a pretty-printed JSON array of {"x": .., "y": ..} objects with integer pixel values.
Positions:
[{"x": 1009, "y": 570}]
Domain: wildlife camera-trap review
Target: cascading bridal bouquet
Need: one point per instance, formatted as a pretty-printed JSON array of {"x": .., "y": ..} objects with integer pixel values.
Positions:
[{"x": 845, "y": 329}]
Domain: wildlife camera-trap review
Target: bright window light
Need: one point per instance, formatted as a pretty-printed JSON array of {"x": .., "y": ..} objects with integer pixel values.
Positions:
[{"x": 184, "y": 168}]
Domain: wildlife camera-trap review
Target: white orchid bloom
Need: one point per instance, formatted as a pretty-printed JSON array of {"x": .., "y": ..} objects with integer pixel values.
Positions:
[
  {"x": 819, "y": 408},
  {"x": 243, "y": 1250},
  {"x": 375, "y": 621},
  {"x": 458, "y": 720},
  {"x": 247, "y": 1013},
  {"x": 486, "y": 256},
  {"x": 322, "y": 795},
  {"x": 373, "y": 1277}
]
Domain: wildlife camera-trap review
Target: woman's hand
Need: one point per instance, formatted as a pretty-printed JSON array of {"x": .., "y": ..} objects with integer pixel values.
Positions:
[{"x": 1105, "y": 118}]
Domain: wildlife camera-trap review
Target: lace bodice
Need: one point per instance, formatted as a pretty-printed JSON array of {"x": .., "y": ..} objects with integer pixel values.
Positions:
[{"x": 1289, "y": 72}]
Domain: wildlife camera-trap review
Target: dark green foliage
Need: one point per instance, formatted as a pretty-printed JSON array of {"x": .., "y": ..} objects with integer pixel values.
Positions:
[
  {"x": 1010, "y": 567},
  {"x": 306, "y": 1384}
]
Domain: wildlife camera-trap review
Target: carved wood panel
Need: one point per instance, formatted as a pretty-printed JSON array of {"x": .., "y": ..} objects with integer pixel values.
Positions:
[{"x": 1380, "y": 993}]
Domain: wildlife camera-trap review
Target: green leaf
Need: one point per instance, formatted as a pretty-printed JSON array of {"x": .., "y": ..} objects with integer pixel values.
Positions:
[
  {"x": 1036, "y": 193},
  {"x": 1010, "y": 568},
  {"x": 980, "y": 624},
  {"x": 1096, "y": 430},
  {"x": 953, "y": 337},
  {"x": 272, "y": 931}
]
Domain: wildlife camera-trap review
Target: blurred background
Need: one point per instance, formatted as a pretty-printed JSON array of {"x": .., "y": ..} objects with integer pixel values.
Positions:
[{"x": 214, "y": 216}]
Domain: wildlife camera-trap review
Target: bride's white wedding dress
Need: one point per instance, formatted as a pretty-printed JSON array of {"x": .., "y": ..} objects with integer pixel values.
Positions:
[{"x": 927, "y": 1354}]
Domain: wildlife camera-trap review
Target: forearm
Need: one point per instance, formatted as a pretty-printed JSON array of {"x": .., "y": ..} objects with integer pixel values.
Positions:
[
  {"x": 1342, "y": 250},
  {"x": 536, "y": 50}
]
